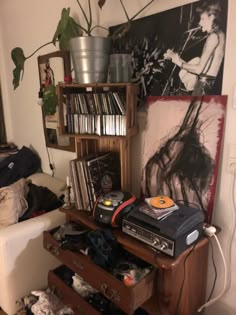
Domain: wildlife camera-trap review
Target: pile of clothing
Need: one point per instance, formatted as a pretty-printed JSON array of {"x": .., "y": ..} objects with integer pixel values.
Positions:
[{"x": 20, "y": 199}]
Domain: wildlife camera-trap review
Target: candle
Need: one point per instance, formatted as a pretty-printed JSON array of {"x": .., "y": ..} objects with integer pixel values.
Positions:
[{"x": 67, "y": 181}]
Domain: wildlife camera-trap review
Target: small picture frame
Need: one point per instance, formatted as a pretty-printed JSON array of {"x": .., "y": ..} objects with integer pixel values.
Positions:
[{"x": 53, "y": 68}]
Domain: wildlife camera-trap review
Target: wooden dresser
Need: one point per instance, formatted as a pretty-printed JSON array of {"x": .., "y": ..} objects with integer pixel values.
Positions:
[{"x": 173, "y": 287}]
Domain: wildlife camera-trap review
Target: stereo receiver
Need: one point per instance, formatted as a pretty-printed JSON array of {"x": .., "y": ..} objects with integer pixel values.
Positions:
[{"x": 170, "y": 235}]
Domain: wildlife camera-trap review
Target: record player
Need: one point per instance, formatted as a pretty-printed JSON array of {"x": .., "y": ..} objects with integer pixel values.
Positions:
[{"x": 170, "y": 235}]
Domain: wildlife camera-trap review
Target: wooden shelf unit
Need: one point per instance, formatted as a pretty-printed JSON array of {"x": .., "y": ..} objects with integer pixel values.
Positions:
[
  {"x": 128, "y": 89},
  {"x": 92, "y": 143}
]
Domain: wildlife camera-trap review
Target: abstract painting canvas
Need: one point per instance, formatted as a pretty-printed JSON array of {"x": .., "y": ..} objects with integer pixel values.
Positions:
[{"x": 182, "y": 146}]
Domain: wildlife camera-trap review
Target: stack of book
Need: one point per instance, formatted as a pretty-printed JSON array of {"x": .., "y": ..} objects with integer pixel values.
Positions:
[{"x": 93, "y": 175}]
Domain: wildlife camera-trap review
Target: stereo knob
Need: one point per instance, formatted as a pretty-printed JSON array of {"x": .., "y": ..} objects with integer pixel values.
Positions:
[
  {"x": 164, "y": 245},
  {"x": 156, "y": 241}
]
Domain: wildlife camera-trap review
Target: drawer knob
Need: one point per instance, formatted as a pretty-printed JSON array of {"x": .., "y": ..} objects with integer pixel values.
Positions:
[
  {"x": 78, "y": 264},
  {"x": 111, "y": 294}
]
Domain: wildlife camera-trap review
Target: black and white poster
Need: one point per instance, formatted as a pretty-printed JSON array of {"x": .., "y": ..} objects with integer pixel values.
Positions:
[{"x": 178, "y": 51}]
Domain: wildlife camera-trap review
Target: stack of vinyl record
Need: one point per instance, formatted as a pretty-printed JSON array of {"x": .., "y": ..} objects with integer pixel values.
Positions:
[{"x": 93, "y": 175}]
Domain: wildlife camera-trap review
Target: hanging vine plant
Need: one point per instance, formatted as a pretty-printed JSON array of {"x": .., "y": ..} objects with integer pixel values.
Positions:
[{"x": 50, "y": 100}]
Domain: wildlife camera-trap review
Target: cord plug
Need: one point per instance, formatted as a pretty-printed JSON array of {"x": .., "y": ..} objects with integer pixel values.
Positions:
[
  {"x": 51, "y": 166},
  {"x": 209, "y": 230}
]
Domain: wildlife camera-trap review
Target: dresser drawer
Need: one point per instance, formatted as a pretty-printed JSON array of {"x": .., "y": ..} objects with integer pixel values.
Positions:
[
  {"x": 68, "y": 295},
  {"x": 77, "y": 262},
  {"x": 127, "y": 298}
]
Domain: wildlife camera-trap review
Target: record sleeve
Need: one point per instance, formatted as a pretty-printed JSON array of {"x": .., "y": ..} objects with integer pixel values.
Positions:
[{"x": 103, "y": 174}]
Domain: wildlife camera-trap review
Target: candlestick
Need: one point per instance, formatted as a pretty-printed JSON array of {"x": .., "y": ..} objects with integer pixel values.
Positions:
[{"x": 67, "y": 181}]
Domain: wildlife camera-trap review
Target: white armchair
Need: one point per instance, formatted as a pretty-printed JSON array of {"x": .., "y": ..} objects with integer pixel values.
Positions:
[{"x": 24, "y": 263}]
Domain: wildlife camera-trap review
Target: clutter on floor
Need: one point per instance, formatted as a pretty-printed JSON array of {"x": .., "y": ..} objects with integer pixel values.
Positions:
[{"x": 44, "y": 303}]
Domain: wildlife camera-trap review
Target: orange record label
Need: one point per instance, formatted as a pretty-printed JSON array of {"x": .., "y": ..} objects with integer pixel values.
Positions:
[{"x": 162, "y": 202}]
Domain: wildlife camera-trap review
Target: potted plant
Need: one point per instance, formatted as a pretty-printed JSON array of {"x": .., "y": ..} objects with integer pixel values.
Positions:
[{"x": 67, "y": 30}]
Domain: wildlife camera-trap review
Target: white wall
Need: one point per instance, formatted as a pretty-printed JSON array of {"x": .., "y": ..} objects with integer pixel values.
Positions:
[{"x": 29, "y": 23}]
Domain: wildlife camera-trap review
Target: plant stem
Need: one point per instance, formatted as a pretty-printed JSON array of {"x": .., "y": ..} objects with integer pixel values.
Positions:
[
  {"x": 96, "y": 26},
  {"x": 90, "y": 17},
  {"x": 84, "y": 14},
  {"x": 124, "y": 9},
  {"x": 124, "y": 28},
  {"x": 39, "y": 49},
  {"x": 133, "y": 17},
  {"x": 82, "y": 28}
]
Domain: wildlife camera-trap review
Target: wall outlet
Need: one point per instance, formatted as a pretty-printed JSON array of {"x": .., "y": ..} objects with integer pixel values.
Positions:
[
  {"x": 234, "y": 100},
  {"x": 231, "y": 165}
]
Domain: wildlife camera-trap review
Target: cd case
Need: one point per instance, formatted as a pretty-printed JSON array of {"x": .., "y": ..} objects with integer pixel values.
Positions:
[{"x": 156, "y": 213}]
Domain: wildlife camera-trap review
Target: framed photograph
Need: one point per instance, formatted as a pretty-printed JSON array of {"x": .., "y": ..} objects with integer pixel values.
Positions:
[
  {"x": 53, "y": 67},
  {"x": 167, "y": 47}
]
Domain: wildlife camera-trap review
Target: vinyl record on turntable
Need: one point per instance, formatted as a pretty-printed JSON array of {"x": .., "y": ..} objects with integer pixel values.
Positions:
[{"x": 161, "y": 202}]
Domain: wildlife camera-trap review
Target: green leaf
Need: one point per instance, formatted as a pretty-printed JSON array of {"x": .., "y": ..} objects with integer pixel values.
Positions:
[
  {"x": 18, "y": 57},
  {"x": 50, "y": 99},
  {"x": 61, "y": 24},
  {"x": 66, "y": 29},
  {"x": 16, "y": 77}
]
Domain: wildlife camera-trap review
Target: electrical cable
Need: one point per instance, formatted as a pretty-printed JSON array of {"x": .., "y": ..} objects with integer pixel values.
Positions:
[
  {"x": 212, "y": 234},
  {"x": 215, "y": 270},
  {"x": 40, "y": 102},
  {"x": 232, "y": 191},
  {"x": 182, "y": 285},
  {"x": 50, "y": 163}
]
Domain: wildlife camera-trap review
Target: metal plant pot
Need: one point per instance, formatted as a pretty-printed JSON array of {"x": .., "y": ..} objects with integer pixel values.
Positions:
[
  {"x": 90, "y": 57},
  {"x": 120, "y": 68}
]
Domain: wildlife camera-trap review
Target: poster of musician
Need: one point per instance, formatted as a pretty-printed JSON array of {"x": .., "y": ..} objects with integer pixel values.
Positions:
[
  {"x": 179, "y": 51},
  {"x": 181, "y": 154}
]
